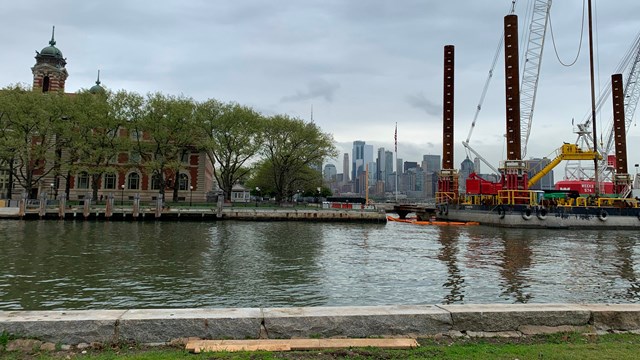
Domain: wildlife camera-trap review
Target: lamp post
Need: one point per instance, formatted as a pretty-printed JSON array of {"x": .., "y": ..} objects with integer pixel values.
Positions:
[
  {"x": 318, "y": 189},
  {"x": 52, "y": 195},
  {"x": 122, "y": 197},
  {"x": 257, "y": 195},
  {"x": 190, "y": 195}
]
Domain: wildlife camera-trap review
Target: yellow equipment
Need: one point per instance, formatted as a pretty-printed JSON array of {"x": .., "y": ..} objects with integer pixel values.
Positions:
[{"x": 566, "y": 152}]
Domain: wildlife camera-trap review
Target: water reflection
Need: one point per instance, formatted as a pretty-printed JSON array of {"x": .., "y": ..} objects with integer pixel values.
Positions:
[
  {"x": 626, "y": 270},
  {"x": 90, "y": 265},
  {"x": 516, "y": 261},
  {"x": 449, "y": 255}
]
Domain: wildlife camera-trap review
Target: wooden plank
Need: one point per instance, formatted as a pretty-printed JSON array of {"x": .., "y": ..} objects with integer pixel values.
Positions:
[
  {"x": 319, "y": 344},
  {"x": 236, "y": 345},
  {"x": 296, "y": 344}
]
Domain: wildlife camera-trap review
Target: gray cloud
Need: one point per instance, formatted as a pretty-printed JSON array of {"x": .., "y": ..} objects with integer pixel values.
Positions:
[
  {"x": 384, "y": 59},
  {"x": 315, "y": 89},
  {"x": 420, "y": 101}
]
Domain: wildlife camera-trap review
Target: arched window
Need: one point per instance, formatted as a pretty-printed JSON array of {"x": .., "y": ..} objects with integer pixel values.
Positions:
[
  {"x": 82, "y": 180},
  {"x": 183, "y": 182},
  {"x": 109, "y": 182},
  {"x": 45, "y": 84},
  {"x": 133, "y": 181},
  {"x": 156, "y": 180}
]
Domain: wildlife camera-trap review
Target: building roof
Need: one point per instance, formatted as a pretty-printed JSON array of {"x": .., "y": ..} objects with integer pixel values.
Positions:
[
  {"x": 52, "y": 50},
  {"x": 238, "y": 187},
  {"x": 97, "y": 89}
]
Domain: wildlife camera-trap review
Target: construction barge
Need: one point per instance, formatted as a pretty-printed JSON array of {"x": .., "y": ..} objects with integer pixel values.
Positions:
[{"x": 511, "y": 202}]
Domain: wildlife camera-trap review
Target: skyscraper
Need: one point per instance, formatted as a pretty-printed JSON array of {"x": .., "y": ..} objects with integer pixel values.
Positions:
[
  {"x": 431, "y": 163},
  {"x": 368, "y": 154},
  {"x": 330, "y": 172},
  {"x": 466, "y": 168},
  {"x": 362, "y": 155},
  {"x": 357, "y": 156},
  {"x": 381, "y": 165},
  {"x": 388, "y": 185},
  {"x": 345, "y": 168}
]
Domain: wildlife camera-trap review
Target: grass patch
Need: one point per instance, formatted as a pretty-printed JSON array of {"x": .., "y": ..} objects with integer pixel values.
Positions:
[{"x": 556, "y": 346}]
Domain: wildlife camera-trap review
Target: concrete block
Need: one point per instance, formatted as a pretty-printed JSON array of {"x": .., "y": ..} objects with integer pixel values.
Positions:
[
  {"x": 494, "y": 334},
  {"x": 164, "y": 325},
  {"x": 539, "y": 330},
  {"x": 615, "y": 316},
  {"x": 505, "y": 317},
  {"x": 355, "y": 321},
  {"x": 24, "y": 345},
  {"x": 68, "y": 327}
]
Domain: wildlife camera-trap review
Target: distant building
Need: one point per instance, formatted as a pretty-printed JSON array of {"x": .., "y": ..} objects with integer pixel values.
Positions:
[
  {"x": 240, "y": 194},
  {"x": 466, "y": 168},
  {"x": 536, "y": 164},
  {"x": 381, "y": 168},
  {"x": 330, "y": 172},
  {"x": 357, "y": 159},
  {"x": 476, "y": 165},
  {"x": 345, "y": 168},
  {"x": 431, "y": 163},
  {"x": 410, "y": 165},
  {"x": 129, "y": 176},
  {"x": 362, "y": 156},
  {"x": 388, "y": 170}
]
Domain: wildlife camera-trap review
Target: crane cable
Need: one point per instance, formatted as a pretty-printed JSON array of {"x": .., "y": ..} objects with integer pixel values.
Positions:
[
  {"x": 553, "y": 40},
  {"x": 488, "y": 81}
]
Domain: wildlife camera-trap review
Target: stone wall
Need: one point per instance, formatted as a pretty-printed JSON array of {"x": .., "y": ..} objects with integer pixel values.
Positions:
[{"x": 166, "y": 325}]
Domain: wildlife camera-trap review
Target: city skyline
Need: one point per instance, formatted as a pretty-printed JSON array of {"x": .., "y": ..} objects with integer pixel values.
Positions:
[{"x": 416, "y": 179}]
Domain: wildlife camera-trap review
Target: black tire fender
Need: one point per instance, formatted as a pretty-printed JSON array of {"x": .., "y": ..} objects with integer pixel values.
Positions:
[
  {"x": 603, "y": 215},
  {"x": 542, "y": 214}
]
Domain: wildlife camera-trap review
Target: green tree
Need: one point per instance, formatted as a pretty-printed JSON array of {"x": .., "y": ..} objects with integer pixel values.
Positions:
[
  {"x": 29, "y": 134},
  {"x": 294, "y": 149},
  {"x": 231, "y": 137},
  {"x": 92, "y": 134},
  {"x": 164, "y": 137}
]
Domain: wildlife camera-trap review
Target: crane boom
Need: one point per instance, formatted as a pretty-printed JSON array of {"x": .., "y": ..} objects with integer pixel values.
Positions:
[
  {"x": 468, "y": 147},
  {"x": 531, "y": 71},
  {"x": 631, "y": 63}
]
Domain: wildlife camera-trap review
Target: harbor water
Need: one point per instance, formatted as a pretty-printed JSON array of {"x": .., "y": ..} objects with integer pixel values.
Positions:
[{"x": 47, "y": 265}]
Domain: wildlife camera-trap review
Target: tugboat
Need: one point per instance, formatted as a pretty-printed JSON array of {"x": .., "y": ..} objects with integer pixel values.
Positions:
[{"x": 510, "y": 202}]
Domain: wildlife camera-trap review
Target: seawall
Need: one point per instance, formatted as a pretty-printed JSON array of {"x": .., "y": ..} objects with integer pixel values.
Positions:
[
  {"x": 165, "y": 325},
  {"x": 200, "y": 214}
]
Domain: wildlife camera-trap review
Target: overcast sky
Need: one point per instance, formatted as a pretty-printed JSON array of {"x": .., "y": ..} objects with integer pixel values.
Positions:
[{"x": 363, "y": 65}]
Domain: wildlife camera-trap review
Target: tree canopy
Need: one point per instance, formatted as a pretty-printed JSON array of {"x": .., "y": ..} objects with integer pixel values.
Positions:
[
  {"x": 293, "y": 154},
  {"x": 61, "y": 135}
]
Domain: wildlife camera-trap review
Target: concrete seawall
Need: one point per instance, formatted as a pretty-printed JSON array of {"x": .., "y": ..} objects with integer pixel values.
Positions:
[
  {"x": 165, "y": 325},
  {"x": 202, "y": 214}
]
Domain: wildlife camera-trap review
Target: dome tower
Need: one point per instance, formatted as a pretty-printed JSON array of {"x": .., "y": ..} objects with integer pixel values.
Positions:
[
  {"x": 97, "y": 88},
  {"x": 49, "y": 72}
]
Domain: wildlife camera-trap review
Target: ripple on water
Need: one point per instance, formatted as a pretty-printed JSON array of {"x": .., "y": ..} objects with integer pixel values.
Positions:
[{"x": 86, "y": 265}]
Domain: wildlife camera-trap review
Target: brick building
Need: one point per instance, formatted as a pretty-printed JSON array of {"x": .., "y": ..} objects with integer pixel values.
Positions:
[{"x": 194, "y": 179}]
